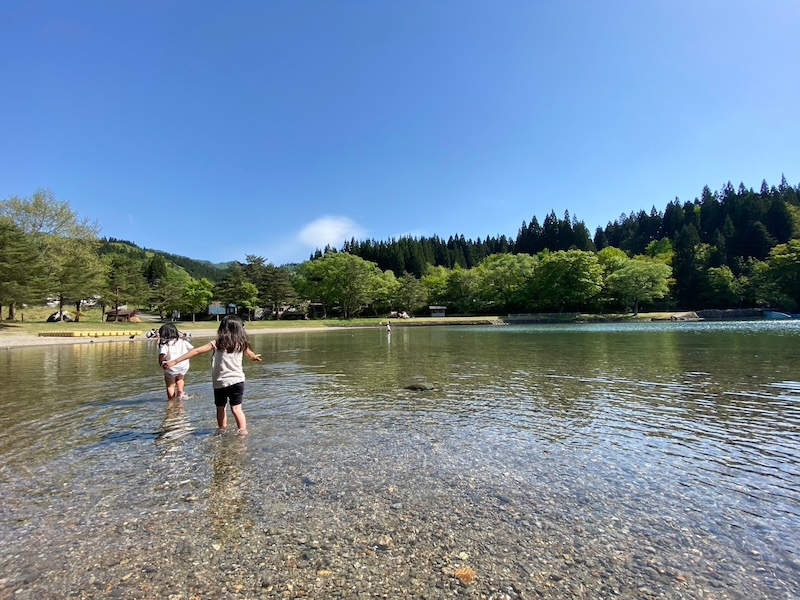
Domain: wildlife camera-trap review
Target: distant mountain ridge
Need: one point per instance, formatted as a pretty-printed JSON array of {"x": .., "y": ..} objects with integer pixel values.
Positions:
[{"x": 214, "y": 272}]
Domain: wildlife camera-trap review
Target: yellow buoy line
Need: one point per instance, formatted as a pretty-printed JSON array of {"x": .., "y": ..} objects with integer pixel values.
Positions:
[{"x": 88, "y": 333}]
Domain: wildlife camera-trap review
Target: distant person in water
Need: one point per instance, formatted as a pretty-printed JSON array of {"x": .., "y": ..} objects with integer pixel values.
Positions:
[
  {"x": 172, "y": 344},
  {"x": 227, "y": 375}
]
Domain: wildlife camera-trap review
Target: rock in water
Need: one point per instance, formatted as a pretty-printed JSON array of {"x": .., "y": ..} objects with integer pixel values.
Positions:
[{"x": 419, "y": 386}]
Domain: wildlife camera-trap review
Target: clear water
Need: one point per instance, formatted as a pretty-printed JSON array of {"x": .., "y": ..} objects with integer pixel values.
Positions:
[{"x": 653, "y": 460}]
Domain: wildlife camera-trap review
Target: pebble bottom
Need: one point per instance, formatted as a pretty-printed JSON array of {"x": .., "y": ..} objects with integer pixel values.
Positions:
[{"x": 358, "y": 526}]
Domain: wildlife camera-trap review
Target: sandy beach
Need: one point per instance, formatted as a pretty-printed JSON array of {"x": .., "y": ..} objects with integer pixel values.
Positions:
[{"x": 9, "y": 340}]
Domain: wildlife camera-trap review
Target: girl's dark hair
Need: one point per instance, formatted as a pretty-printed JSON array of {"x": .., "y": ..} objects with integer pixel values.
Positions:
[
  {"x": 231, "y": 336},
  {"x": 168, "y": 332}
]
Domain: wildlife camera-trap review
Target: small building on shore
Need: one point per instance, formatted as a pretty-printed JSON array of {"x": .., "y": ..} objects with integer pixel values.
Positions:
[{"x": 438, "y": 311}]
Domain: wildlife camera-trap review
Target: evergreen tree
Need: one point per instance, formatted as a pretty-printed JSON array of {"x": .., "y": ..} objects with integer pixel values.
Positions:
[
  {"x": 61, "y": 239},
  {"x": 277, "y": 290},
  {"x": 582, "y": 240},
  {"x": 22, "y": 274},
  {"x": 600, "y": 238},
  {"x": 237, "y": 289},
  {"x": 155, "y": 270},
  {"x": 778, "y": 221},
  {"x": 550, "y": 232},
  {"x": 125, "y": 284},
  {"x": 673, "y": 220},
  {"x": 535, "y": 234},
  {"x": 686, "y": 266},
  {"x": 566, "y": 235}
]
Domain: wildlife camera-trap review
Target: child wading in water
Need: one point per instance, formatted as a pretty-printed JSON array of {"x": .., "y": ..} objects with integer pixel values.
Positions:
[
  {"x": 226, "y": 368},
  {"x": 172, "y": 344}
]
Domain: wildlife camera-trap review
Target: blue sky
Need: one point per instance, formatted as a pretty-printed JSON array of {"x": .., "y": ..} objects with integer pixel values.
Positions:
[{"x": 219, "y": 129}]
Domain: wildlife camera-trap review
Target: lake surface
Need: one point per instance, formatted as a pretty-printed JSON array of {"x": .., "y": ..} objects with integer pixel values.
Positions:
[{"x": 632, "y": 461}]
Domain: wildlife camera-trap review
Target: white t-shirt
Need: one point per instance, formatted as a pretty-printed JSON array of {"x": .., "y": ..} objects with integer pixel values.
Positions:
[{"x": 172, "y": 350}]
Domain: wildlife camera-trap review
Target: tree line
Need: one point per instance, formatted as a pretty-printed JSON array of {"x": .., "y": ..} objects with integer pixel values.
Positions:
[
  {"x": 719, "y": 245},
  {"x": 726, "y": 249}
]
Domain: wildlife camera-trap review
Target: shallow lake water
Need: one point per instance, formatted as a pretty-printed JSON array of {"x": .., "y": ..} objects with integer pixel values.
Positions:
[{"x": 615, "y": 460}]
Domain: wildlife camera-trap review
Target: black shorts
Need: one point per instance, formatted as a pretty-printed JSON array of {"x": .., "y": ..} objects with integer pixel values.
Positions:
[{"x": 234, "y": 393}]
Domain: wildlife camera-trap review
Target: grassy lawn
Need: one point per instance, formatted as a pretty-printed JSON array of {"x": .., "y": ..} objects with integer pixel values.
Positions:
[{"x": 32, "y": 321}]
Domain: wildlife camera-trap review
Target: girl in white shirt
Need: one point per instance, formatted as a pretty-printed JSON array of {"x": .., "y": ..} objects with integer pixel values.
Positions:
[
  {"x": 226, "y": 368},
  {"x": 172, "y": 344}
]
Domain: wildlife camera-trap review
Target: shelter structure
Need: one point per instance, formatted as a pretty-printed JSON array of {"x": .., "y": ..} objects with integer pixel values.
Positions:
[{"x": 438, "y": 311}]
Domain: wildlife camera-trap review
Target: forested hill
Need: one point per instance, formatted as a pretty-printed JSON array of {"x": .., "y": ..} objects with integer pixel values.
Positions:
[
  {"x": 736, "y": 224},
  {"x": 196, "y": 268},
  {"x": 726, "y": 249}
]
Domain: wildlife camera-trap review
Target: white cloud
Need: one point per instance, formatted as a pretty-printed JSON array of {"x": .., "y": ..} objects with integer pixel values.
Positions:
[{"x": 330, "y": 230}]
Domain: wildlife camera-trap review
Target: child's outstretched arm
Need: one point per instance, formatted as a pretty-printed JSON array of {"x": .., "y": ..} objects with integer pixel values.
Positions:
[
  {"x": 190, "y": 354},
  {"x": 252, "y": 355}
]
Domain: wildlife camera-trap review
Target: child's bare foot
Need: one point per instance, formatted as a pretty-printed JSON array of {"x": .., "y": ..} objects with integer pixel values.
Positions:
[
  {"x": 220, "y": 430},
  {"x": 242, "y": 432}
]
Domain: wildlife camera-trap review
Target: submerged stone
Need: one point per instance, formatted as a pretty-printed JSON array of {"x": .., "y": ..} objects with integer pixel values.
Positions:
[{"x": 420, "y": 386}]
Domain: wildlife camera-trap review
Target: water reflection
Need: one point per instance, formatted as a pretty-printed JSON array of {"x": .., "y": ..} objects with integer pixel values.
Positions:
[
  {"x": 176, "y": 425},
  {"x": 644, "y": 453},
  {"x": 227, "y": 502}
]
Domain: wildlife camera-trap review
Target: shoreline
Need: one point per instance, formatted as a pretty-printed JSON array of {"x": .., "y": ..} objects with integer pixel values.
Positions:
[{"x": 9, "y": 341}]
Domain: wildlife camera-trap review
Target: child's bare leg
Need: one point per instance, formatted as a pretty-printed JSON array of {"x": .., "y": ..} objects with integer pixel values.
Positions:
[
  {"x": 222, "y": 417},
  {"x": 179, "y": 384},
  {"x": 241, "y": 420},
  {"x": 169, "y": 380}
]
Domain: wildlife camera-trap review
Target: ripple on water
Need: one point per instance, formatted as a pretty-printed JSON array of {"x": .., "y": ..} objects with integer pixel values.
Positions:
[{"x": 549, "y": 476}]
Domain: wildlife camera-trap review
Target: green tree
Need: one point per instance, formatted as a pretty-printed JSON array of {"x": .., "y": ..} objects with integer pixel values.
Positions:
[
  {"x": 278, "y": 291},
  {"x": 339, "y": 279},
  {"x": 168, "y": 290},
  {"x": 783, "y": 273},
  {"x": 248, "y": 298},
  {"x": 639, "y": 281},
  {"x": 411, "y": 294},
  {"x": 274, "y": 284},
  {"x": 611, "y": 259},
  {"x": 794, "y": 214},
  {"x": 63, "y": 242},
  {"x": 22, "y": 275},
  {"x": 385, "y": 293},
  {"x": 197, "y": 295},
  {"x": 81, "y": 274},
  {"x": 461, "y": 292},
  {"x": 661, "y": 250},
  {"x": 688, "y": 266},
  {"x": 721, "y": 289},
  {"x": 125, "y": 283},
  {"x": 155, "y": 270},
  {"x": 255, "y": 269},
  {"x": 571, "y": 278},
  {"x": 501, "y": 279},
  {"x": 435, "y": 283},
  {"x": 237, "y": 289},
  {"x": 758, "y": 285}
]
